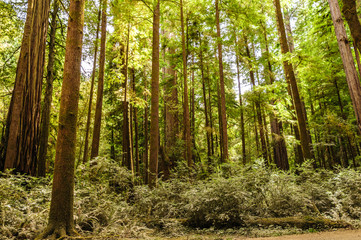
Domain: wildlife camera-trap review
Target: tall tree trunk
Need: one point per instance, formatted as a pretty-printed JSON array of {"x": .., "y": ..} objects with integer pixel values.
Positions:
[
  {"x": 171, "y": 111},
  {"x": 127, "y": 157},
  {"x": 290, "y": 76},
  {"x": 99, "y": 104},
  {"x": 347, "y": 59},
  {"x": 210, "y": 111},
  {"x": 258, "y": 108},
  {"x": 61, "y": 221},
  {"x": 186, "y": 120},
  {"x": 279, "y": 145},
  {"x": 244, "y": 156},
  {"x": 135, "y": 119},
  {"x": 45, "y": 117},
  {"x": 23, "y": 121},
  {"x": 222, "y": 91},
  {"x": 154, "y": 118},
  {"x": 146, "y": 139},
  {"x": 207, "y": 126},
  {"x": 86, "y": 148}
]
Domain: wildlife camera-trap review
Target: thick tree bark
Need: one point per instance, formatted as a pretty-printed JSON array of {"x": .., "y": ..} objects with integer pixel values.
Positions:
[
  {"x": 154, "y": 118},
  {"x": 87, "y": 130},
  {"x": 20, "y": 145},
  {"x": 350, "y": 12},
  {"x": 45, "y": 117},
  {"x": 347, "y": 59},
  {"x": 99, "y": 103},
  {"x": 186, "y": 120},
  {"x": 290, "y": 76},
  {"x": 222, "y": 91},
  {"x": 61, "y": 221}
]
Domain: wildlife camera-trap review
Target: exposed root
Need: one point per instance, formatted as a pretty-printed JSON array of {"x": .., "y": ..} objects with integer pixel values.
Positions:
[{"x": 59, "y": 232}]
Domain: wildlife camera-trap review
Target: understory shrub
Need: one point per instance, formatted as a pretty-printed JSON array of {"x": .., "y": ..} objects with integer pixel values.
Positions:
[{"x": 108, "y": 203}]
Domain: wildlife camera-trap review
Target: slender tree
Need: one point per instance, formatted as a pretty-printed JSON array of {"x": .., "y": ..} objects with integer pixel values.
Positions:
[
  {"x": 61, "y": 221},
  {"x": 291, "y": 79},
  {"x": 186, "y": 120},
  {"x": 87, "y": 130},
  {"x": 224, "y": 135},
  {"x": 99, "y": 104},
  {"x": 45, "y": 116},
  {"x": 154, "y": 117}
]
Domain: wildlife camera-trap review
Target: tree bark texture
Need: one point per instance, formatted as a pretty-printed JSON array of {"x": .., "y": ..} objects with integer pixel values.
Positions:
[
  {"x": 347, "y": 59},
  {"x": 350, "y": 12},
  {"x": 48, "y": 98},
  {"x": 154, "y": 118},
  {"x": 61, "y": 221},
  {"x": 222, "y": 90},
  {"x": 23, "y": 122},
  {"x": 99, "y": 103}
]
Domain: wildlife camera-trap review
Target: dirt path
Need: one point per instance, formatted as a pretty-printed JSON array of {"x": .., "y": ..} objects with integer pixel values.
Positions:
[{"x": 335, "y": 235}]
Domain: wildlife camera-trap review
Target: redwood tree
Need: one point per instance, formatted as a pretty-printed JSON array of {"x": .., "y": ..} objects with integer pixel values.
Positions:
[
  {"x": 61, "y": 221},
  {"x": 99, "y": 104},
  {"x": 20, "y": 145},
  {"x": 154, "y": 111},
  {"x": 223, "y": 116}
]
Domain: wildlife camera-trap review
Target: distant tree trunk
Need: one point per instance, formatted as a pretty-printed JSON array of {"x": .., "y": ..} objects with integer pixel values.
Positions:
[
  {"x": 127, "y": 157},
  {"x": 347, "y": 59},
  {"x": 86, "y": 148},
  {"x": 45, "y": 116},
  {"x": 186, "y": 120},
  {"x": 210, "y": 111},
  {"x": 207, "y": 126},
  {"x": 290, "y": 76},
  {"x": 61, "y": 221},
  {"x": 258, "y": 109},
  {"x": 219, "y": 123},
  {"x": 146, "y": 139},
  {"x": 192, "y": 113},
  {"x": 99, "y": 104},
  {"x": 222, "y": 91},
  {"x": 154, "y": 118},
  {"x": 244, "y": 156},
  {"x": 171, "y": 112},
  {"x": 135, "y": 119},
  {"x": 20, "y": 145},
  {"x": 279, "y": 145}
]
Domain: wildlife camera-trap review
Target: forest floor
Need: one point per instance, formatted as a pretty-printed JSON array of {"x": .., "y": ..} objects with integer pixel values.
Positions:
[{"x": 343, "y": 234}]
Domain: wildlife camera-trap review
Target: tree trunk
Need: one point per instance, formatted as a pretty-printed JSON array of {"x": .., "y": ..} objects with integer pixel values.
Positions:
[
  {"x": 222, "y": 91},
  {"x": 45, "y": 117},
  {"x": 210, "y": 112},
  {"x": 99, "y": 104},
  {"x": 61, "y": 221},
  {"x": 290, "y": 76},
  {"x": 23, "y": 121},
  {"x": 135, "y": 119},
  {"x": 347, "y": 59},
  {"x": 154, "y": 118},
  {"x": 244, "y": 156},
  {"x": 86, "y": 149},
  {"x": 146, "y": 139},
  {"x": 350, "y": 12},
  {"x": 186, "y": 120},
  {"x": 207, "y": 126}
]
